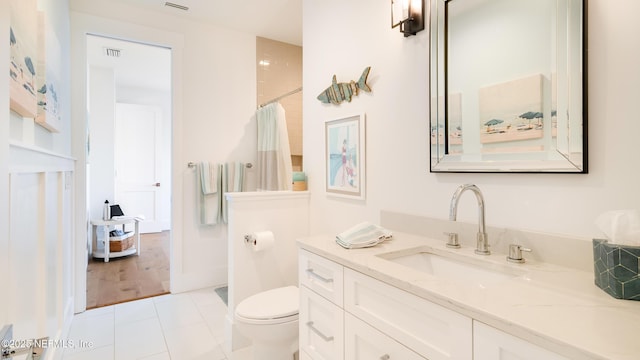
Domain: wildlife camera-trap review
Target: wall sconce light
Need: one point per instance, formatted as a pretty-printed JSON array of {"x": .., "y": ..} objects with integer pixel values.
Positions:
[{"x": 409, "y": 15}]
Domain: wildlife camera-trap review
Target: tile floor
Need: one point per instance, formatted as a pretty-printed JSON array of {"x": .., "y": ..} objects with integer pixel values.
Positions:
[{"x": 181, "y": 326}]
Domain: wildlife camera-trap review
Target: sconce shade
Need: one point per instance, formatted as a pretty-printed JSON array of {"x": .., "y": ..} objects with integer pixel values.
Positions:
[{"x": 408, "y": 15}]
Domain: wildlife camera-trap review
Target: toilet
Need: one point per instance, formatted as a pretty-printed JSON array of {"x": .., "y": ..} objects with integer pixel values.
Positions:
[{"x": 270, "y": 320}]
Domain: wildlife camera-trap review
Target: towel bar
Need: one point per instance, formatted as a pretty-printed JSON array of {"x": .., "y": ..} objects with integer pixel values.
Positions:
[{"x": 192, "y": 165}]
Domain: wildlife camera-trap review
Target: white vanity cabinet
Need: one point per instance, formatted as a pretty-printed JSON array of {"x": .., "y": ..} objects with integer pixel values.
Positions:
[
  {"x": 434, "y": 332},
  {"x": 347, "y": 315},
  {"x": 364, "y": 342},
  {"x": 321, "y": 315},
  {"x": 321, "y": 327},
  {"x": 492, "y": 344}
]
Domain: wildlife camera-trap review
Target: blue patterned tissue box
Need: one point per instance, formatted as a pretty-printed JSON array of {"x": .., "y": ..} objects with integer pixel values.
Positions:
[{"x": 616, "y": 269}]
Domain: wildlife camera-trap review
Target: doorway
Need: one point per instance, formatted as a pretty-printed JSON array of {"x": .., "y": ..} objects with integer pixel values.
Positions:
[{"x": 129, "y": 162}]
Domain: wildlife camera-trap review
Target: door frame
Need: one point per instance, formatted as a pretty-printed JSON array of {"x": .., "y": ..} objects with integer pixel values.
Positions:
[{"x": 83, "y": 25}]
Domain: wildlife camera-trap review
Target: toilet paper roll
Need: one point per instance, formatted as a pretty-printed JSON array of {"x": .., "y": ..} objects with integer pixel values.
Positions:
[{"x": 262, "y": 240}]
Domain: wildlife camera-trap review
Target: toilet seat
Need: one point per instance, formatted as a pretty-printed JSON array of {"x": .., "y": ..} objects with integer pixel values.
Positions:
[{"x": 273, "y": 306}]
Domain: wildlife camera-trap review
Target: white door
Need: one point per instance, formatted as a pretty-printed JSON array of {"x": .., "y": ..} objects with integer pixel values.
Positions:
[{"x": 138, "y": 135}]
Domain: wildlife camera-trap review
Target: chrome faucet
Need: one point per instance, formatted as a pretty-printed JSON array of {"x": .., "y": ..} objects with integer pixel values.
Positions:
[{"x": 482, "y": 247}]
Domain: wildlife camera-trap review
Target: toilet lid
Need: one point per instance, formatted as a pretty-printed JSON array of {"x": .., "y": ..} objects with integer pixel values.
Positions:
[{"x": 270, "y": 304}]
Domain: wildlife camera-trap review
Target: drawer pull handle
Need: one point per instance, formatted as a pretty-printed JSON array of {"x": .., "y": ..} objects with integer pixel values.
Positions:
[
  {"x": 317, "y": 276},
  {"x": 385, "y": 357},
  {"x": 319, "y": 333}
]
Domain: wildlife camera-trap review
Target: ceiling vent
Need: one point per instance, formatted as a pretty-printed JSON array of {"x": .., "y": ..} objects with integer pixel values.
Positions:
[
  {"x": 112, "y": 52},
  {"x": 177, "y": 6}
]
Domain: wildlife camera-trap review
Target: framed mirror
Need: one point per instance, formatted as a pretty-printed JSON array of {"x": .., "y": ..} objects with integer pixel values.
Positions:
[{"x": 508, "y": 86}]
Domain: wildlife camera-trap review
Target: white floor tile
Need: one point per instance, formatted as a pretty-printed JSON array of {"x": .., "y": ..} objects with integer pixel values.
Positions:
[
  {"x": 204, "y": 296},
  {"x": 163, "y": 356},
  {"x": 101, "y": 353},
  {"x": 187, "y": 326},
  {"x": 135, "y": 310},
  {"x": 95, "y": 312},
  {"x": 215, "y": 317},
  {"x": 193, "y": 342},
  {"x": 97, "y": 330},
  {"x": 166, "y": 297},
  {"x": 178, "y": 311},
  {"x": 242, "y": 354},
  {"x": 134, "y": 340}
]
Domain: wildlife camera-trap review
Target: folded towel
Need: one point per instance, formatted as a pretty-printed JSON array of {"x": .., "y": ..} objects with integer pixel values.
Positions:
[{"x": 363, "y": 235}]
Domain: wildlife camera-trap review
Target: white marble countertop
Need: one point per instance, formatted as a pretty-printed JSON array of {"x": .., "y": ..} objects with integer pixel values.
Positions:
[{"x": 558, "y": 308}]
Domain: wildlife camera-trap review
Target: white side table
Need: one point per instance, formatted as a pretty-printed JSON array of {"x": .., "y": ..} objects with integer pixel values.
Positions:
[{"x": 107, "y": 254}]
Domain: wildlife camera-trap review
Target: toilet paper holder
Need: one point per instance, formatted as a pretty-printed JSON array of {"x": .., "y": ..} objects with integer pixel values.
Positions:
[{"x": 249, "y": 239}]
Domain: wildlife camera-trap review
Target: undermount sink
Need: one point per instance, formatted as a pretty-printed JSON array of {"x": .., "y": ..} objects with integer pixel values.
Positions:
[{"x": 458, "y": 270}]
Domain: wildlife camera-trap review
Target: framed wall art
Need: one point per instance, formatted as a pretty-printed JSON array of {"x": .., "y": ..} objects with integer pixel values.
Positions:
[
  {"x": 345, "y": 157},
  {"x": 23, "y": 58}
]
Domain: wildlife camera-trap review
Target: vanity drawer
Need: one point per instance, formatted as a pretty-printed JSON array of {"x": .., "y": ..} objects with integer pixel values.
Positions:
[
  {"x": 363, "y": 342},
  {"x": 431, "y": 330},
  {"x": 321, "y": 327},
  {"x": 322, "y": 276},
  {"x": 492, "y": 344}
]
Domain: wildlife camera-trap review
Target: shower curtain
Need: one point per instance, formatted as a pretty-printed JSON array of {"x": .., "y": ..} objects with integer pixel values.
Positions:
[{"x": 274, "y": 156}]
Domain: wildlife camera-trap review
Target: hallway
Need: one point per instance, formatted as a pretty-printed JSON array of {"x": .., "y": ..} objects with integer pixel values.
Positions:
[{"x": 131, "y": 277}]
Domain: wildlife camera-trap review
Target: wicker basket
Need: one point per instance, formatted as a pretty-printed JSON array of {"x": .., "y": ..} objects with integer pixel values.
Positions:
[{"x": 120, "y": 245}]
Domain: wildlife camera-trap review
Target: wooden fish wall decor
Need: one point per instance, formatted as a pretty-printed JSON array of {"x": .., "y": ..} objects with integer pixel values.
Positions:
[{"x": 338, "y": 92}]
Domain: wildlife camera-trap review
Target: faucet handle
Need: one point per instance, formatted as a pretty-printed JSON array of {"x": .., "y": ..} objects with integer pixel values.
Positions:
[
  {"x": 515, "y": 253},
  {"x": 453, "y": 240}
]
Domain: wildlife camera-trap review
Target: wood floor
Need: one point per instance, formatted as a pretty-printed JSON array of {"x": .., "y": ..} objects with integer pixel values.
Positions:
[{"x": 130, "y": 277}]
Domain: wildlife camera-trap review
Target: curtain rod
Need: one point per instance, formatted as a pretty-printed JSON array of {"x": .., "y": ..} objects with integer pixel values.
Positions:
[{"x": 281, "y": 96}]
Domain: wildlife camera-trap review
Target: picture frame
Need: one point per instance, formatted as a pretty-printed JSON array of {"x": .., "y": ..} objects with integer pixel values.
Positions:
[
  {"x": 23, "y": 58},
  {"x": 49, "y": 60},
  {"x": 345, "y": 157}
]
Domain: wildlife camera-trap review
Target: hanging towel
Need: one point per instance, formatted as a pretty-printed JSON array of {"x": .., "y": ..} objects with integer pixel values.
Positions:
[
  {"x": 238, "y": 179},
  {"x": 224, "y": 188},
  {"x": 208, "y": 178},
  {"x": 274, "y": 156}
]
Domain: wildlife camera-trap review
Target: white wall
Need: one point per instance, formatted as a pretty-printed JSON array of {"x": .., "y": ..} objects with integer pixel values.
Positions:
[
  {"x": 36, "y": 211},
  {"x": 102, "y": 115},
  {"x": 213, "y": 79},
  {"x": 398, "y": 178}
]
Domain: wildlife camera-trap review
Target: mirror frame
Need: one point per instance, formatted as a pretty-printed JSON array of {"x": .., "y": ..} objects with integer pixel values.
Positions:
[{"x": 442, "y": 161}]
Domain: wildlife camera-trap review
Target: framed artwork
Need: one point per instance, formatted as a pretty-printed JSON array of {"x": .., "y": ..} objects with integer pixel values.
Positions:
[
  {"x": 48, "y": 115},
  {"x": 512, "y": 110},
  {"x": 345, "y": 157},
  {"x": 23, "y": 58}
]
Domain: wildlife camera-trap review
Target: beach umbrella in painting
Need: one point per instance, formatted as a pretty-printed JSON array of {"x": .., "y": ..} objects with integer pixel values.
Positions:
[
  {"x": 492, "y": 122},
  {"x": 529, "y": 115},
  {"x": 539, "y": 116},
  {"x": 29, "y": 63}
]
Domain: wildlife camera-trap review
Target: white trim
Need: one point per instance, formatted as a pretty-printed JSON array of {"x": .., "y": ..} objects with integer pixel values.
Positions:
[
  {"x": 266, "y": 195},
  {"x": 82, "y": 25},
  {"x": 25, "y": 158}
]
